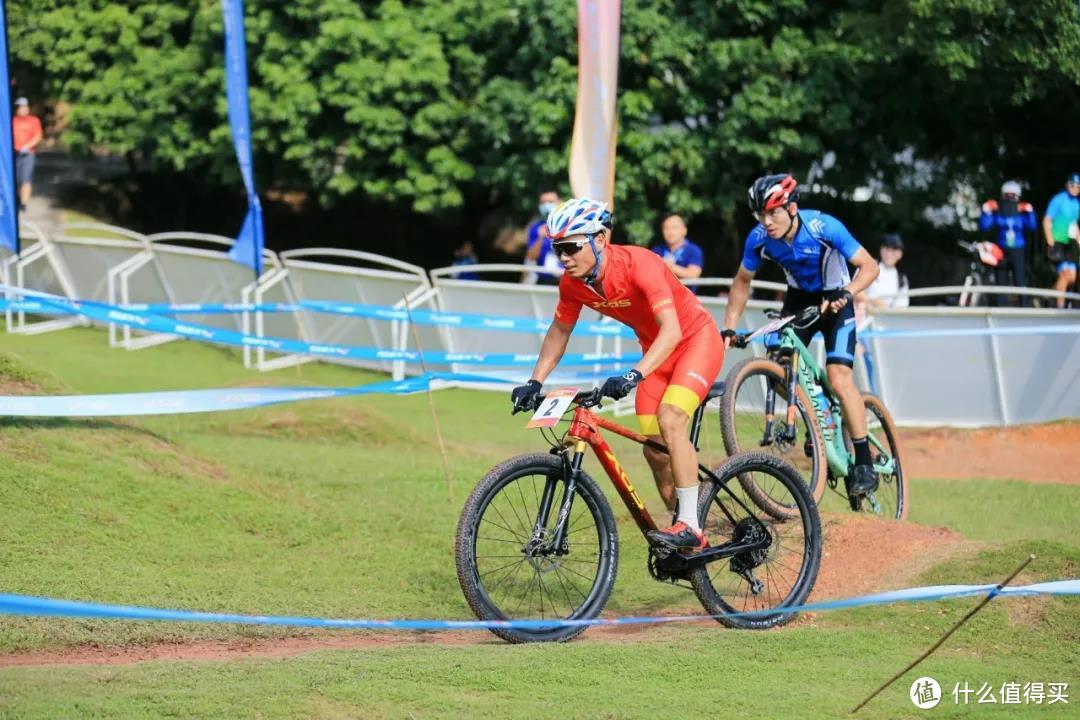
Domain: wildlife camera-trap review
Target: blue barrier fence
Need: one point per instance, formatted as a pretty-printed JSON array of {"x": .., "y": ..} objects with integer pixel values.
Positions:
[
  {"x": 465, "y": 321},
  {"x": 47, "y": 607}
]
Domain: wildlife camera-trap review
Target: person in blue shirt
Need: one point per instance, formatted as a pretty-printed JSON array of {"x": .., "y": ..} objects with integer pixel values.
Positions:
[
  {"x": 681, "y": 255},
  {"x": 1060, "y": 227},
  {"x": 1009, "y": 221},
  {"x": 464, "y": 256},
  {"x": 814, "y": 250},
  {"x": 538, "y": 244}
]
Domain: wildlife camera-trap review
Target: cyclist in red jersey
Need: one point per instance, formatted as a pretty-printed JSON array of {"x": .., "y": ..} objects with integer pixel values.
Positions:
[{"x": 683, "y": 349}]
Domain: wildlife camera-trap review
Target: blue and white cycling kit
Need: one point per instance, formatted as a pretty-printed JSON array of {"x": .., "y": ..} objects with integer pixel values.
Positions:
[{"x": 815, "y": 261}]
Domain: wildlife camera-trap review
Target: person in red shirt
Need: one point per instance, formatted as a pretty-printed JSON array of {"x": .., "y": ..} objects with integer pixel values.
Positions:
[
  {"x": 683, "y": 349},
  {"x": 26, "y": 134}
]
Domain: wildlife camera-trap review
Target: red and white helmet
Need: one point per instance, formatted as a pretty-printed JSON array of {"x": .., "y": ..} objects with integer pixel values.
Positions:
[
  {"x": 579, "y": 216},
  {"x": 772, "y": 191}
]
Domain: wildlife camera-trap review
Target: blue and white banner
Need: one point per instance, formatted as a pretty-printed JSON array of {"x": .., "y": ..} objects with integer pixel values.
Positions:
[
  {"x": 9, "y": 221},
  {"x": 25, "y": 605},
  {"x": 249, "y": 243}
]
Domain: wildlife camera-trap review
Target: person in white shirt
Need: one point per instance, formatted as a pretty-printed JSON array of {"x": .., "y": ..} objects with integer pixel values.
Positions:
[{"x": 890, "y": 288}]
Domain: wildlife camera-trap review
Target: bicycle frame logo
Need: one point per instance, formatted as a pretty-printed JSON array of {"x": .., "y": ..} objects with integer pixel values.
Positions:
[
  {"x": 827, "y": 423},
  {"x": 584, "y": 428},
  {"x": 625, "y": 478}
]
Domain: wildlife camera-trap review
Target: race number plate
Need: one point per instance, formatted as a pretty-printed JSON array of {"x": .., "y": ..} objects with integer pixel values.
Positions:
[{"x": 551, "y": 410}]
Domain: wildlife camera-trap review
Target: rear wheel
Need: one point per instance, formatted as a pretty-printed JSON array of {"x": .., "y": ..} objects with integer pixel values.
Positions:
[
  {"x": 766, "y": 580},
  {"x": 743, "y": 424},
  {"x": 892, "y": 497},
  {"x": 508, "y": 564}
]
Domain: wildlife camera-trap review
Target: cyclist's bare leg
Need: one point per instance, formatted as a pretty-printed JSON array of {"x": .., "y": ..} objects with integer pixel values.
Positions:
[
  {"x": 675, "y": 429},
  {"x": 842, "y": 380},
  {"x": 660, "y": 464}
]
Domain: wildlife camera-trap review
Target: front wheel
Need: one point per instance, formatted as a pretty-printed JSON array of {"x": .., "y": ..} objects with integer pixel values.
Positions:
[
  {"x": 509, "y": 562},
  {"x": 780, "y": 567}
]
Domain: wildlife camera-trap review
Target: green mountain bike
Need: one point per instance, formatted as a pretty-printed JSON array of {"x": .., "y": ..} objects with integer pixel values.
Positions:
[{"x": 784, "y": 404}]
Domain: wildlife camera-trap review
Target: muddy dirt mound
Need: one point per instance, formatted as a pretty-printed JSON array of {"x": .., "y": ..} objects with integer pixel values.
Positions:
[
  {"x": 1036, "y": 453},
  {"x": 866, "y": 555}
]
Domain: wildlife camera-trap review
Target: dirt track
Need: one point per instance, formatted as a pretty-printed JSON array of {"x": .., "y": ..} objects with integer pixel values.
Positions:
[{"x": 1034, "y": 453}]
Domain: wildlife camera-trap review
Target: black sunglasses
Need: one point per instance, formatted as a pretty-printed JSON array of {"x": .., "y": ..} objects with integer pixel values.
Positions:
[{"x": 569, "y": 249}]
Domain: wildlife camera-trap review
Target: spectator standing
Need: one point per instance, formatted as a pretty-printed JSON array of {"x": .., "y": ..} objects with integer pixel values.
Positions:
[
  {"x": 681, "y": 255},
  {"x": 26, "y": 134},
  {"x": 890, "y": 287},
  {"x": 1009, "y": 220},
  {"x": 538, "y": 243},
  {"x": 1062, "y": 234},
  {"x": 889, "y": 290},
  {"x": 464, "y": 256}
]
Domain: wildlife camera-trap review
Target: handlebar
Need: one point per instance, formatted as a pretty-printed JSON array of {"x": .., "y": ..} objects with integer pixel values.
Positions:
[
  {"x": 803, "y": 318},
  {"x": 586, "y": 399}
]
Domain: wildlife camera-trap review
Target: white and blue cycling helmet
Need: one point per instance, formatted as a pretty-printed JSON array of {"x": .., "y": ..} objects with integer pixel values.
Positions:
[{"x": 580, "y": 216}]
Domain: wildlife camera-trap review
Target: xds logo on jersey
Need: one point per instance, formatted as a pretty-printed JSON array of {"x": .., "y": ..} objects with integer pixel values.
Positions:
[{"x": 622, "y": 303}]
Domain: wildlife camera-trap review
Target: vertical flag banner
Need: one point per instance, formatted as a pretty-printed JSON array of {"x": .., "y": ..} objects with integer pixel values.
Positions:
[
  {"x": 592, "y": 151},
  {"x": 9, "y": 221},
  {"x": 249, "y": 243}
]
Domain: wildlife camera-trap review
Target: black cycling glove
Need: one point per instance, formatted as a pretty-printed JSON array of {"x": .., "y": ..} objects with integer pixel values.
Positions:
[
  {"x": 838, "y": 294},
  {"x": 619, "y": 386},
  {"x": 524, "y": 396},
  {"x": 1055, "y": 253}
]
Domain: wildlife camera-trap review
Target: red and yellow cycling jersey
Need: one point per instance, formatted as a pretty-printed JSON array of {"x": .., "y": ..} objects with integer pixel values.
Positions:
[{"x": 636, "y": 285}]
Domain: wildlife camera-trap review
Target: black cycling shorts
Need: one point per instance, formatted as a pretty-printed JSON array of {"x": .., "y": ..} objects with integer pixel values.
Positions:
[{"x": 838, "y": 328}]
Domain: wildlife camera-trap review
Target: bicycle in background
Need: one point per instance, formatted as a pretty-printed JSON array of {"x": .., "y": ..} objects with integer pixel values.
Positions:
[
  {"x": 984, "y": 258},
  {"x": 783, "y": 404}
]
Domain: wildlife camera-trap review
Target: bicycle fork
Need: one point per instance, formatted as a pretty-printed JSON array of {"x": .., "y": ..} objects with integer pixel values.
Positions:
[
  {"x": 556, "y": 540},
  {"x": 770, "y": 408}
]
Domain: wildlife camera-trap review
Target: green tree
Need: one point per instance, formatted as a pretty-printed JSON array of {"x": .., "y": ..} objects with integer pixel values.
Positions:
[{"x": 440, "y": 105}]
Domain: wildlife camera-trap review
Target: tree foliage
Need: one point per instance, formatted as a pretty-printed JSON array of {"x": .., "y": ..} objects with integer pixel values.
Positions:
[{"x": 439, "y": 105}]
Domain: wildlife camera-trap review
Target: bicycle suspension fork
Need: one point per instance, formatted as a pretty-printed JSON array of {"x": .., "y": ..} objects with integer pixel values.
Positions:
[
  {"x": 790, "y": 381},
  {"x": 571, "y": 472}
]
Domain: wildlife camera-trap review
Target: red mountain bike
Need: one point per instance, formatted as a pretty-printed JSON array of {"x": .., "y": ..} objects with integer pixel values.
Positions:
[{"x": 537, "y": 538}]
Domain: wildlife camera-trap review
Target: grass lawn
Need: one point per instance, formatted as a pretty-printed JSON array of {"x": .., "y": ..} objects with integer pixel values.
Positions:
[{"x": 340, "y": 508}]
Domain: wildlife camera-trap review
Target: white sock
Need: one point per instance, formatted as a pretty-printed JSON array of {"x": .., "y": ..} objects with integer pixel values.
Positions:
[{"x": 688, "y": 506}]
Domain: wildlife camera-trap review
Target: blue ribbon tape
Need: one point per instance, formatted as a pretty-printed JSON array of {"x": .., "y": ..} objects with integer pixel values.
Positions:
[
  {"x": 467, "y": 321},
  {"x": 27, "y": 605},
  {"x": 149, "y": 322},
  {"x": 214, "y": 400}
]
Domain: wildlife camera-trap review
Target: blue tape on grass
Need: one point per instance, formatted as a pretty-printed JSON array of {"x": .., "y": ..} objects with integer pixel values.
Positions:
[
  {"x": 26, "y": 605},
  {"x": 215, "y": 400}
]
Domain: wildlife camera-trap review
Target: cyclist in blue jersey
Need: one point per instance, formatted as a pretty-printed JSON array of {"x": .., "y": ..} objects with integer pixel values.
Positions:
[
  {"x": 814, "y": 250},
  {"x": 1060, "y": 226}
]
